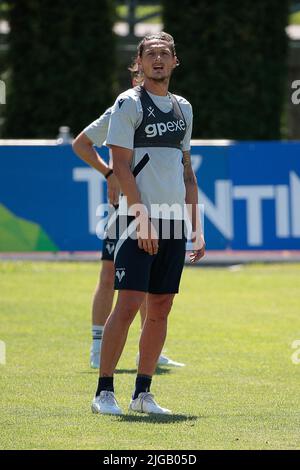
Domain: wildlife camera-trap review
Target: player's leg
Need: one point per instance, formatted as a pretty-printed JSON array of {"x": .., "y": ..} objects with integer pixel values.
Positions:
[
  {"x": 151, "y": 343},
  {"x": 101, "y": 308},
  {"x": 154, "y": 331},
  {"x": 164, "y": 282},
  {"x": 163, "y": 360},
  {"x": 143, "y": 312},
  {"x": 103, "y": 299},
  {"x": 104, "y": 294},
  {"x": 132, "y": 273},
  {"x": 114, "y": 338},
  {"x": 116, "y": 329}
]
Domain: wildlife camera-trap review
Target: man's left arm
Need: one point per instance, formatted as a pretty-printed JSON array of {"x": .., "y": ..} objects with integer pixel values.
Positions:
[{"x": 191, "y": 200}]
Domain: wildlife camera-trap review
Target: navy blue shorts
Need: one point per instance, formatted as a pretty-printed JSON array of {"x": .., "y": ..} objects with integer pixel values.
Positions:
[
  {"x": 110, "y": 240},
  {"x": 108, "y": 249},
  {"x": 157, "y": 274}
]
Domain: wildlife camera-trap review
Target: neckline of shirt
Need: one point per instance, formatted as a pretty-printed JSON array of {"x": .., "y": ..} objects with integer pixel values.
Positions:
[{"x": 158, "y": 97}]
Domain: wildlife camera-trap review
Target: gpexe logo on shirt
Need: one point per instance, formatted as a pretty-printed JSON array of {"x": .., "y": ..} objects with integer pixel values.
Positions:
[{"x": 159, "y": 128}]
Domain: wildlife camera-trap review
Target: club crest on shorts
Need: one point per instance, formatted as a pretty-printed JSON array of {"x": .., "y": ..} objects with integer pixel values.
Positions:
[
  {"x": 120, "y": 273},
  {"x": 110, "y": 247}
]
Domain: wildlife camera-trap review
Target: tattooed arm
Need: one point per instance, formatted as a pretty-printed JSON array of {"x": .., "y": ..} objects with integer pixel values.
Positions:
[{"x": 191, "y": 200}]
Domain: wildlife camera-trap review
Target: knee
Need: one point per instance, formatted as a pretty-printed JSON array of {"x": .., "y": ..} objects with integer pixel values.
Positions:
[
  {"x": 127, "y": 312},
  {"x": 128, "y": 304},
  {"x": 160, "y": 307}
]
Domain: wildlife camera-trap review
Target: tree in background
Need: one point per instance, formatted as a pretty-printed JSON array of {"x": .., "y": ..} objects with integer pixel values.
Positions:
[
  {"x": 233, "y": 67},
  {"x": 62, "y": 60}
]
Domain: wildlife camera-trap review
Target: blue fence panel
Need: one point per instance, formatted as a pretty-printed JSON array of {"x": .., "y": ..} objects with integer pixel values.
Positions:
[
  {"x": 210, "y": 164},
  {"x": 50, "y": 186},
  {"x": 265, "y": 180},
  {"x": 250, "y": 192}
]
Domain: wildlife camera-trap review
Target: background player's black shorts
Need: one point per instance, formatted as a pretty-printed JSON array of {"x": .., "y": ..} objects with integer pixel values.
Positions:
[
  {"x": 157, "y": 274},
  {"x": 108, "y": 249},
  {"x": 109, "y": 242}
]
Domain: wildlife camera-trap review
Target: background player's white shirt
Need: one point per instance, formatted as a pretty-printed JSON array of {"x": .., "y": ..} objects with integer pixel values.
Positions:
[
  {"x": 97, "y": 130},
  {"x": 161, "y": 180}
]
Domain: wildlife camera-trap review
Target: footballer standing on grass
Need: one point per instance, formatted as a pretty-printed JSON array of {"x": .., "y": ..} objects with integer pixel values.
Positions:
[
  {"x": 149, "y": 136},
  {"x": 95, "y": 134}
]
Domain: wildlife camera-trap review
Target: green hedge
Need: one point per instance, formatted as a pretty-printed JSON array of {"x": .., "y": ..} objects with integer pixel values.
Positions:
[
  {"x": 62, "y": 61},
  {"x": 233, "y": 66}
]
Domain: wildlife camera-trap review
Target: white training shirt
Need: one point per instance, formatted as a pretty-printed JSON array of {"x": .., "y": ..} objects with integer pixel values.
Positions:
[
  {"x": 97, "y": 130},
  {"x": 161, "y": 180}
]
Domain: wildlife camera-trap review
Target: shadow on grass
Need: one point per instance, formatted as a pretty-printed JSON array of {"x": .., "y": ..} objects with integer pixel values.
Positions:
[
  {"x": 89, "y": 372},
  {"x": 159, "y": 371},
  {"x": 157, "y": 419}
]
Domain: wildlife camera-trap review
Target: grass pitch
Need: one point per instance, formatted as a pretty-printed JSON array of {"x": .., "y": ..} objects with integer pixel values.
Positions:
[{"x": 233, "y": 329}]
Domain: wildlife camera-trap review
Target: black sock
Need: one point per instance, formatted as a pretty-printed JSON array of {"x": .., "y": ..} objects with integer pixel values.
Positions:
[
  {"x": 105, "y": 383},
  {"x": 142, "y": 384}
]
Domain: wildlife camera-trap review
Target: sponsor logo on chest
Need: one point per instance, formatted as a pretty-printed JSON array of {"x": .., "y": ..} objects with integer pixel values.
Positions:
[{"x": 160, "y": 128}]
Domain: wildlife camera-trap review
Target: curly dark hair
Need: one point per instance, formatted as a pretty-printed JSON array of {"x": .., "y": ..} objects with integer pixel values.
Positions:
[{"x": 161, "y": 36}]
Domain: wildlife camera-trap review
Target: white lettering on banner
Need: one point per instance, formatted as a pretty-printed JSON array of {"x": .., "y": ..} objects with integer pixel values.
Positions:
[
  {"x": 282, "y": 211},
  {"x": 220, "y": 213},
  {"x": 95, "y": 192},
  {"x": 286, "y": 208},
  {"x": 219, "y": 210},
  {"x": 254, "y": 196},
  {"x": 295, "y": 202}
]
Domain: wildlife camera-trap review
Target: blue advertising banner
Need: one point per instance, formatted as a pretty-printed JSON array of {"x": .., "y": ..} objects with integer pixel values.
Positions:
[
  {"x": 265, "y": 179},
  {"x": 49, "y": 198}
]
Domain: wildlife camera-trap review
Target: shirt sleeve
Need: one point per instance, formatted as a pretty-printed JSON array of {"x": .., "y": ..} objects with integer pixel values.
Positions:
[
  {"x": 186, "y": 143},
  {"x": 97, "y": 130},
  {"x": 122, "y": 123}
]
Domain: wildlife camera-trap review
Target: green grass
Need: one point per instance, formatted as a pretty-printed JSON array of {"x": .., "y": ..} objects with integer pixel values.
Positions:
[{"x": 234, "y": 330}]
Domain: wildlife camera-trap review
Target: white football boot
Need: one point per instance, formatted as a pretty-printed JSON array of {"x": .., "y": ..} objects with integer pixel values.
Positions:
[
  {"x": 95, "y": 359},
  {"x": 106, "y": 404},
  {"x": 145, "y": 403},
  {"x": 163, "y": 361},
  {"x": 166, "y": 361}
]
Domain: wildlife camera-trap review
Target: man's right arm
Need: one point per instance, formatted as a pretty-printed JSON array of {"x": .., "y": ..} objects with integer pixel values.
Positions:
[
  {"x": 120, "y": 138},
  {"x": 121, "y": 162},
  {"x": 147, "y": 237},
  {"x": 84, "y": 149}
]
